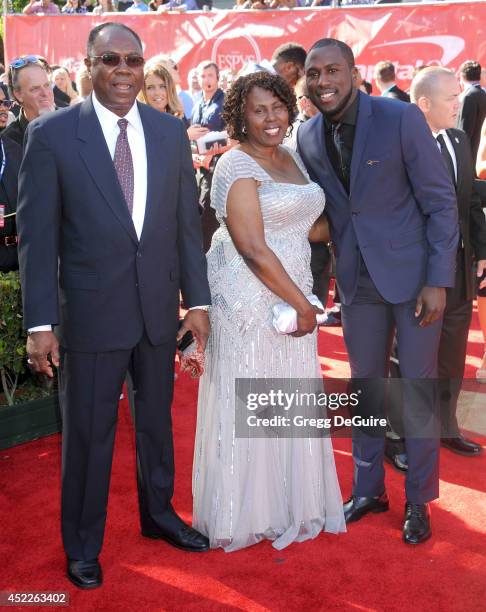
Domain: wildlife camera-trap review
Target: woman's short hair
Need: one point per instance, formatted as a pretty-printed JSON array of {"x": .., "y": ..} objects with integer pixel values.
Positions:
[
  {"x": 158, "y": 69},
  {"x": 235, "y": 102}
]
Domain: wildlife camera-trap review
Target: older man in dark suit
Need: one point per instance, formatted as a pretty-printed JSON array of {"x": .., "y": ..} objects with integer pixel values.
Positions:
[
  {"x": 436, "y": 92},
  {"x": 109, "y": 233}
]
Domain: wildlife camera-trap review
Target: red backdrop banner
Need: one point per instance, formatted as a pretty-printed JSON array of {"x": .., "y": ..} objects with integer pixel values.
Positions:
[{"x": 408, "y": 35}]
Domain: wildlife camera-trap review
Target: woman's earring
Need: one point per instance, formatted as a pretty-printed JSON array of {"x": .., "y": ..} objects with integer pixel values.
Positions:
[{"x": 243, "y": 129}]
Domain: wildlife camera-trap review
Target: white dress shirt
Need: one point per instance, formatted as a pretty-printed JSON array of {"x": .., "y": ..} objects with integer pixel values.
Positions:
[
  {"x": 136, "y": 140},
  {"x": 449, "y": 146}
]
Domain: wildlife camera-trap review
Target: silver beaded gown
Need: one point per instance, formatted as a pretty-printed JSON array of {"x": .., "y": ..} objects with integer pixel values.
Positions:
[{"x": 249, "y": 489}]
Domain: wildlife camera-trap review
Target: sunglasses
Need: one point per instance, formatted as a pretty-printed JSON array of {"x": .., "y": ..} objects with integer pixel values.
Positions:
[
  {"x": 7, "y": 103},
  {"x": 24, "y": 60},
  {"x": 113, "y": 60}
]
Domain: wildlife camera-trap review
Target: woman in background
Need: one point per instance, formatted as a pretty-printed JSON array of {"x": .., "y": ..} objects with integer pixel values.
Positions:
[
  {"x": 73, "y": 7},
  {"x": 103, "y": 6},
  {"x": 62, "y": 79},
  {"x": 83, "y": 82},
  {"x": 159, "y": 90}
]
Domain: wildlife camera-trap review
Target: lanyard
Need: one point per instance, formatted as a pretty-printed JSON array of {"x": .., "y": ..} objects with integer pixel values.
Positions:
[{"x": 4, "y": 160}]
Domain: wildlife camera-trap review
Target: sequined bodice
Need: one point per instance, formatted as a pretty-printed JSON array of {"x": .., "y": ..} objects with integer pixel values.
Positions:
[{"x": 288, "y": 212}]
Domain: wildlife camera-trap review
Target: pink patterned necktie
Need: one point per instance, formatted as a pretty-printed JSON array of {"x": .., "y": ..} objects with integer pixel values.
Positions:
[{"x": 124, "y": 164}]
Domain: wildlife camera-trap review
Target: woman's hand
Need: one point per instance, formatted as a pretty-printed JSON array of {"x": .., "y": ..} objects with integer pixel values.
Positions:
[{"x": 306, "y": 321}]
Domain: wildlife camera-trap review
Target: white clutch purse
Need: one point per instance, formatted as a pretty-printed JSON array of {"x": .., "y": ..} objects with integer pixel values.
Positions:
[{"x": 285, "y": 316}]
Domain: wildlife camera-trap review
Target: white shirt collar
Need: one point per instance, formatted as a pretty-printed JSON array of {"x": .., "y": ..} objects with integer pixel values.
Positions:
[
  {"x": 110, "y": 119},
  {"x": 443, "y": 132}
]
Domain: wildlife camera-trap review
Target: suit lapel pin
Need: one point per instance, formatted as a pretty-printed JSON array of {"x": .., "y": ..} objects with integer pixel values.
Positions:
[
  {"x": 456, "y": 139},
  {"x": 372, "y": 162}
]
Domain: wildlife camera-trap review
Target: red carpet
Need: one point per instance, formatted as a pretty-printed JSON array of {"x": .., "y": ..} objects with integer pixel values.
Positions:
[{"x": 369, "y": 568}]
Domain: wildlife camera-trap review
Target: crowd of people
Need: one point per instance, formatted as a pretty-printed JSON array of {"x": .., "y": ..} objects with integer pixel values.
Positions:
[
  {"x": 300, "y": 174},
  {"x": 72, "y": 7}
]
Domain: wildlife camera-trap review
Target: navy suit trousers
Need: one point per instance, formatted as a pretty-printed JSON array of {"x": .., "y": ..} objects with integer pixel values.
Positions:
[{"x": 369, "y": 323}]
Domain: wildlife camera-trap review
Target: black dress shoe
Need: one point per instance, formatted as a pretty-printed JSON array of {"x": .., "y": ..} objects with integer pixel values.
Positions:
[
  {"x": 416, "y": 528},
  {"x": 462, "y": 446},
  {"x": 398, "y": 460},
  {"x": 186, "y": 538},
  {"x": 356, "y": 507},
  {"x": 85, "y": 574}
]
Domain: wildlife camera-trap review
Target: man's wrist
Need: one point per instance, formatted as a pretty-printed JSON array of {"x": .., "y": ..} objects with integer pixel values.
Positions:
[{"x": 38, "y": 328}]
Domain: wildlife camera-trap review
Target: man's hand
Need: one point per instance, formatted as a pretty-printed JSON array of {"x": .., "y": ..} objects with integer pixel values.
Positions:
[
  {"x": 481, "y": 271},
  {"x": 431, "y": 302},
  {"x": 306, "y": 322},
  {"x": 194, "y": 132},
  {"x": 196, "y": 321},
  {"x": 40, "y": 345}
]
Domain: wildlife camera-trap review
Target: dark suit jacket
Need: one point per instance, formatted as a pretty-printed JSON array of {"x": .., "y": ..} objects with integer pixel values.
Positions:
[
  {"x": 16, "y": 130},
  {"x": 13, "y": 154},
  {"x": 471, "y": 116},
  {"x": 82, "y": 265},
  {"x": 397, "y": 93},
  {"x": 9, "y": 190},
  {"x": 401, "y": 213},
  {"x": 472, "y": 223},
  {"x": 61, "y": 100}
]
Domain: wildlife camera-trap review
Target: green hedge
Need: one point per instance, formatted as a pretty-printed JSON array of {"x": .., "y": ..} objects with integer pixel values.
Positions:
[{"x": 12, "y": 335}]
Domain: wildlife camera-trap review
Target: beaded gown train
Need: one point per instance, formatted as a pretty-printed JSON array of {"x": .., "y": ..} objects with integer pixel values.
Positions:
[{"x": 249, "y": 489}]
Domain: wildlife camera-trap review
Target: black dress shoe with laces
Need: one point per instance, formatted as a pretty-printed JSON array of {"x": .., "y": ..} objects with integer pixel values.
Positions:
[
  {"x": 356, "y": 507},
  {"x": 416, "y": 528},
  {"x": 185, "y": 537},
  {"x": 85, "y": 574},
  {"x": 462, "y": 446}
]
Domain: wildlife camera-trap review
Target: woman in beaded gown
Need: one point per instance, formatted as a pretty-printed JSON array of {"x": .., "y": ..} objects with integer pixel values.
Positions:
[{"x": 249, "y": 489}]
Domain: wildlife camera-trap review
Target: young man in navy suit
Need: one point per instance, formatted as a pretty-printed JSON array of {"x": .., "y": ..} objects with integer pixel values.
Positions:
[{"x": 393, "y": 219}]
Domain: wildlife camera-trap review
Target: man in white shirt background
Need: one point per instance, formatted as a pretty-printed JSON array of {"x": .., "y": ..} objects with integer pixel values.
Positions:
[{"x": 110, "y": 233}]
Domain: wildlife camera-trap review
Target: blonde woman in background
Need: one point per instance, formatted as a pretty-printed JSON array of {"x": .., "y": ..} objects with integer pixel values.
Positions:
[
  {"x": 159, "y": 90},
  {"x": 62, "y": 79},
  {"x": 481, "y": 172}
]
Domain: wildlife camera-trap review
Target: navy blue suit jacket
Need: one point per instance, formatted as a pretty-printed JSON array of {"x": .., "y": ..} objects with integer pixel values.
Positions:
[
  {"x": 82, "y": 265},
  {"x": 401, "y": 213}
]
